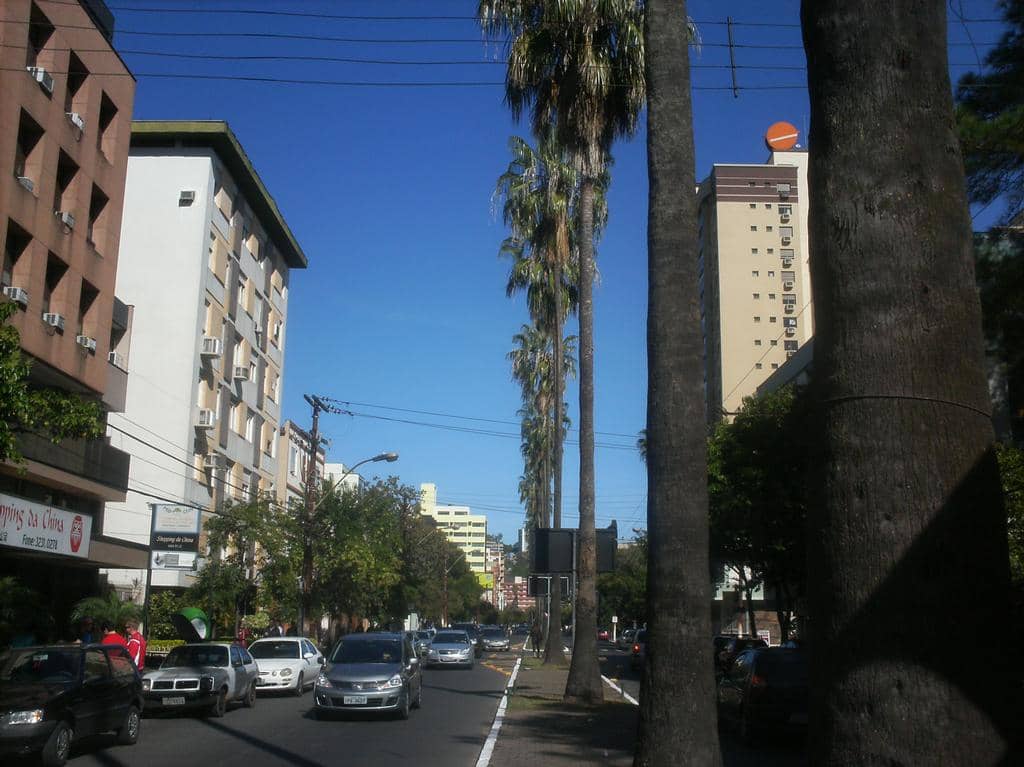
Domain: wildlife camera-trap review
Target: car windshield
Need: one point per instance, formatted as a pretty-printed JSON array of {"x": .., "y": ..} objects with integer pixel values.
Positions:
[
  {"x": 367, "y": 651},
  {"x": 274, "y": 649},
  {"x": 494, "y": 634},
  {"x": 196, "y": 655},
  {"x": 49, "y": 666},
  {"x": 423, "y": 635},
  {"x": 451, "y": 637}
]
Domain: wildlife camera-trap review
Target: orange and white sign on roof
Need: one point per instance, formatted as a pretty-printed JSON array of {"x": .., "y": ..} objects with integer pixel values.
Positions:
[{"x": 781, "y": 136}]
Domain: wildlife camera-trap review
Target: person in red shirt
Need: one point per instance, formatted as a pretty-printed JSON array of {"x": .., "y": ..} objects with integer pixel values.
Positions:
[
  {"x": 136, "y": 643},
  {"x": 110, "y": 636}
]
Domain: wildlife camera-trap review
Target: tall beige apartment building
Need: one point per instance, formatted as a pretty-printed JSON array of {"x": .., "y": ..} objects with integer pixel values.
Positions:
[
  {"x": 461, "y": 526},
  {"x": 65, "y": 112},
  {"x": 754, "y": 275}
]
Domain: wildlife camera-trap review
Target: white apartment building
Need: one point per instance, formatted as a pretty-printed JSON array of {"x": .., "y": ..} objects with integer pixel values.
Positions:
[
  {"x": 345, "y": 480},
  {"x": 205, "y": 259},
  {"x": 293, "y": 462},
  {"x": 466, "y": 530},
  {"x": 755, "y": 281}
]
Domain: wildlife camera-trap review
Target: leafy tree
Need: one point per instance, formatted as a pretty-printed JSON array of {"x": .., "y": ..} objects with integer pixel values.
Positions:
[
  {"x": 624, "y": 592},
  {"x": 162, "y": 605},
  {"x": 1011, "y": 470},
  {"x": 677, "y": 722},
  {"x": 578, "y": 68},
  {"x": 110, "y": 610},
  {"x": 990, "y": 119},
  {"x": 909, "y": 556},
  {"x": 27, "y": 408},
  {"x": 20, "y": 610}
]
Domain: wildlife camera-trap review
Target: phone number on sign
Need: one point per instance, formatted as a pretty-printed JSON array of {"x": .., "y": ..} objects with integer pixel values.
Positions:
[{"x": 40, "y": 542}]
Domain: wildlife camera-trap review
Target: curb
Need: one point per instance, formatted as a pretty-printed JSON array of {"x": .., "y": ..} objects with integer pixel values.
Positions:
[{"x": 492, "y": 737}]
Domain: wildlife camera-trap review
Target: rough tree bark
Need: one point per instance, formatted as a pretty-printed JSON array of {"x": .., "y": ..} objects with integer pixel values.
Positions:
[
  {"x": 678, "y": 721},
  {"x": 908, "y": 567}
]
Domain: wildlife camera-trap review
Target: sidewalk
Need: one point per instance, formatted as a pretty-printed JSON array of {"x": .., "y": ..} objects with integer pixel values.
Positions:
[{"x": 539, "y": 730}]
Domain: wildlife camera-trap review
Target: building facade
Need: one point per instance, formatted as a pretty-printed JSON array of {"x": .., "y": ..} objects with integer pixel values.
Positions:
[
  {"x": 754, "y": 274},
  {"x": 293, "y": 462},
  {"x": 347, "y": 481},
  {"x": 206, "y": 257},
  {"x": 65, "y": 111},
  {"x": 466, "y": 530},
  {"x": 515, "y": 593}
]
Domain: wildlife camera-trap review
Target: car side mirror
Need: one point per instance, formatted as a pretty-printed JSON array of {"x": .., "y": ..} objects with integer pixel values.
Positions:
[{"x": 320, "y": 659}]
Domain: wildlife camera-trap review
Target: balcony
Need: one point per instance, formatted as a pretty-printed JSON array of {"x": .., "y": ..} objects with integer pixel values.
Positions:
[{"x": 93, "y": 460}]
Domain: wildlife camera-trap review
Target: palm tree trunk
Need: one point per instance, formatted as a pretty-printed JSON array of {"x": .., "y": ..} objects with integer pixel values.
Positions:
[
  {"x": 553, "y": 648},
  {"x": 909, "y": 568},
  {"x": 584, "y": 683},
  {"x": 678, "y": 722}
]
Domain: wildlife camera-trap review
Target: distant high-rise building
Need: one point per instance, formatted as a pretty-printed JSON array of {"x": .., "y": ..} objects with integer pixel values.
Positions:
[
  {"x": 466, "y": 530},
  {"x": 754, "y": 271},
  {"x": 523, "y": 540},
  {"x": 339, "y": 475},
  {"x": 293, "y": 462}
]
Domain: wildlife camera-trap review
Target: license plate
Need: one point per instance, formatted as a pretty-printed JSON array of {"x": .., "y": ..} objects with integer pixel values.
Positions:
[
  {"x": 354, "y": 700},
  {"x": 798, "y": 718},
  {"x": 174, "y": 701}
]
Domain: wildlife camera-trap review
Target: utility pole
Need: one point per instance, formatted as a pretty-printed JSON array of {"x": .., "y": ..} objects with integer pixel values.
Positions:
[
  {"x": 306, "y": 586},
  {"x": 444, "y": 587}
]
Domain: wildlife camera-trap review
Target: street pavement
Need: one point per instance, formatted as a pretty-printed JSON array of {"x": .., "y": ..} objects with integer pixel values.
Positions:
[{"x": 448, "y": 731}]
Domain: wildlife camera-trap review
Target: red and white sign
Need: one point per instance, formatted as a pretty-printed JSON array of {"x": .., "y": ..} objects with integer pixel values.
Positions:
[{"x": 36, "y": 527}]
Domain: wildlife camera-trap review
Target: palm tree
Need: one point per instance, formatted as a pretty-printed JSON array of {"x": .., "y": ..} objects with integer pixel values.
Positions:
[
  {"x": 677, "y": 723},
  {"x": 577, "y": 66},
  {"x": 110, "y": 610},
  {"x": 909, "y": 562}
]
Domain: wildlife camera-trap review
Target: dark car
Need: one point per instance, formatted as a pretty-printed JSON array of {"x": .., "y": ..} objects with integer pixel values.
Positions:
[
  {"x": 730, "y": 647},
  {"x": 475, "y": 636},
  {"x": 765, "y": 691},
  {"x": 52, "y": 696},
  {"x": 370, "y": 672},
  {"x": 636, "y": 660}
]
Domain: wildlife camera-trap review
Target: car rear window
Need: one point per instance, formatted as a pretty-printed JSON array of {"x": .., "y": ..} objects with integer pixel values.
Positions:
[
  {"x": 782, "y": 667},
  {"x": 267, "y": 649}
]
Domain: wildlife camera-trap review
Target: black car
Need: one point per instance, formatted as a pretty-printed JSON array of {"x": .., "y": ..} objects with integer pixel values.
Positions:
[
  {"x": 475, "y": 636},
  {"x": 765, "y": 691},
  {"x": 728, "y": 648},
  {"x": 52, "y": 696}
]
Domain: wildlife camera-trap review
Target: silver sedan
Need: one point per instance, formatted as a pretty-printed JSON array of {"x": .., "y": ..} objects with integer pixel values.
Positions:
[{"x": 450, "y": 648}]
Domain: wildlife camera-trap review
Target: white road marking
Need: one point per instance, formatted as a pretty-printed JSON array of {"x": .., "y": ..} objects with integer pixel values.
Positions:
[
  {"x": 492, "y": 737},
  {"x": 620, "y": 691}
]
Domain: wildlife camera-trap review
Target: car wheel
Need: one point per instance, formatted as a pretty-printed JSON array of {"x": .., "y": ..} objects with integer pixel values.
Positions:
[
  {"x": 128, "y": 735},
  {"x": 419, "y": 696},
  {"x": 300, "y": 687},
  {"x": 250, "y": 697},
  {"x": 403, "y": 706},
  {"x": 219, "y": 706},
  {"x": 55, "y": 752}
]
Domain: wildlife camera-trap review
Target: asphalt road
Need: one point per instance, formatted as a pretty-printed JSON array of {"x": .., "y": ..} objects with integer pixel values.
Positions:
[{"x": 448, "y": 731}]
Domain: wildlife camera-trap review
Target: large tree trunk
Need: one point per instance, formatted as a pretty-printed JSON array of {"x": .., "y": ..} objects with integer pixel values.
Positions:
[
  {"x": 584, "y": 683},
  {"x": 908, "y": 568},
  {"x": 553, "y": 648},
  {"x": 678, "y": 721}
]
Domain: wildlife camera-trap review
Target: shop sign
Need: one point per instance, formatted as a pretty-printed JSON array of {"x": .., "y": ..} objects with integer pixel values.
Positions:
[
  {"x": 34, "y": 526},
  {"x": 175, "y": 528}
]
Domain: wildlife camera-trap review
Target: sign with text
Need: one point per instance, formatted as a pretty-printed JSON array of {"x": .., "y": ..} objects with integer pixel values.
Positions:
[
  {"x": 34, "y": 526},
  {"x": 175, "y": 528}
]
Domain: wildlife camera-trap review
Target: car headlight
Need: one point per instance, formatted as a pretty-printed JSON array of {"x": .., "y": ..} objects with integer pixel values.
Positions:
[
  {"x": 286, "y": 672},
  {"x": 395, "y": 681},
  {"x": 146, "y": 684},
  {"x": 25, "y": 717},
  {"x": 323, "y": 681},
  {"x": 206, "y": 683},
  {"x": 431, "y": 653}
]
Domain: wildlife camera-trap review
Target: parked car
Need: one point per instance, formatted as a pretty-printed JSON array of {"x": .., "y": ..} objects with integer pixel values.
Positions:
[
  {"x": 370, "y": 672},
  {"x": 636, "y": 660},
  {"x": 422, "y": 642},
  {"x": 495, "y": 639},
  {"x": 52, "y": 696},
  {"x": 625, "y": 639},
  {"x": 205, "y": 675},
  {"x": 731, "y": 647},
  {"x": 474, "y": 634},
  {"x": 286, "y": 663},
  {"x": 765, "y": 691},
  {"x": 451, "y": 647},
  {"x": 603, "y": 635}
]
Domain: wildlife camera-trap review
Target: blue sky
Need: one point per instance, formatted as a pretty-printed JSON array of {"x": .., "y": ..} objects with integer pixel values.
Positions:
[{"x": 388, "y": 190}]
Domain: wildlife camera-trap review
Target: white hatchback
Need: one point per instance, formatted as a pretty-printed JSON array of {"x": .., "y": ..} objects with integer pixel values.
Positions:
[{"x": 286, "y": 663}]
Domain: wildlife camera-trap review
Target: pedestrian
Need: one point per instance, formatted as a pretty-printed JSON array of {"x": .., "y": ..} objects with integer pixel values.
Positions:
[
  {"x": 276, "y": 630},
  {"x": 536, "y": 636},
  {"x": 85, "y": 631},
  {"x": 110, "y": 635},
  {"x": 136, "y": 643}
]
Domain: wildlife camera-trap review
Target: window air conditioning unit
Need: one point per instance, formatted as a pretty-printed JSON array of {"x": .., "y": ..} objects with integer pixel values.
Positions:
[
  {"x": 789, "y": 308},
  {"x": 26, "y": 182},
  {"x": 17, "y": 295},
  {"x": 53, "y": 320},
  {"x": 76, "y": 120},
  {"x": 786, "y": 240},
  {"x": 207, "y": 419},
  {"x": 784, "y": 218},
  {"x": 211, "y": 347},
  {"x": 788, "y": 284},
  {"x": 116, "y": 360},
  {"x": 783, "y": 189},
  {"x": 86, "y": 342},
  {"x": 68, "y": 219},
  {"x": 790, "y": 331},
  {"x": 786, "y": 262},
  {"x": 42, "y": 77},
  {"x": 211, "y": 461},
  {"x": 186, "y": 198},
  {"x": 241, "y": 373}
]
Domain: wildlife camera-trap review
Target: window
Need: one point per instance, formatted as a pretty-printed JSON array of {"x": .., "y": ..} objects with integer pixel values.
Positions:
[
  {"x": 758, "y": 365},
  {"x": 773, "y": 319},
  {"x": 785, "y": 231},
  {"x": 771, "y": 250},
  {"x": 86, "y": 302},
  {"x": 55, "y": 271},
  {"x": 771, "y": 296},
  {"x": 74, "y": 95},
  {"x": 751, "y": 183},
  {"x": 753, "y": 227},
  {"x": 241, "y": 298},
  {"x": 97, "y": 221},
  {"x": 756, "y": 273},
  {"x": 122, "y": 665},
  {"x": 107, "y": 133},
  {"x": 757, "y": 319},
  {"x": 753, "y": 205},
  {"x": 96, "y": 666},
  {"x": 15, "y": 245},
  {"x": 236, "y": 656},
  {"x": 786, "y": 252},
  {"x": 293, "y": 460},
  {"x": 757, "y": 296},
  {"x": 238, "y": 417},
  {"x": 757, "y": 342},
  {"x": 250, "y": 427},
  {"x": 785, "y": 210},
  {"x": 790, "y": 346},
  {"x": 789, "y": 298},
  {"x": 753, "y": 251},
  {"x": 40, "y": 32},
  {"x": 64, "y": 193},
  {"x": 771, "y": 274},
  {"x": 775, "y": 342},
  {"x": 768, "y": 228},
  {"x": 768, "y": 205},
  {"x": 28, "y": 152}
]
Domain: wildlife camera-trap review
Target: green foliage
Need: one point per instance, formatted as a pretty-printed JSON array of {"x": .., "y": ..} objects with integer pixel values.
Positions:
[
  {"x": 990, "y": 119},
  {"x": 21, "y": 610},
  {"x": 1011, "y": 470},
  {"x": 58, "y": 414},
  {"x": 162, "y": 605},
  {"x": 623, "y": 593},
  {"x": 258, "y": 622},
  {"x": 162, "y": 645},
  {"x": 110, "y": 610}
]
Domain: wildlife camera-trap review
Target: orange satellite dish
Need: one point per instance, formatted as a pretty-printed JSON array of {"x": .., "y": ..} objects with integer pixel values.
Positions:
[{"x": 781, "y": 136}]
